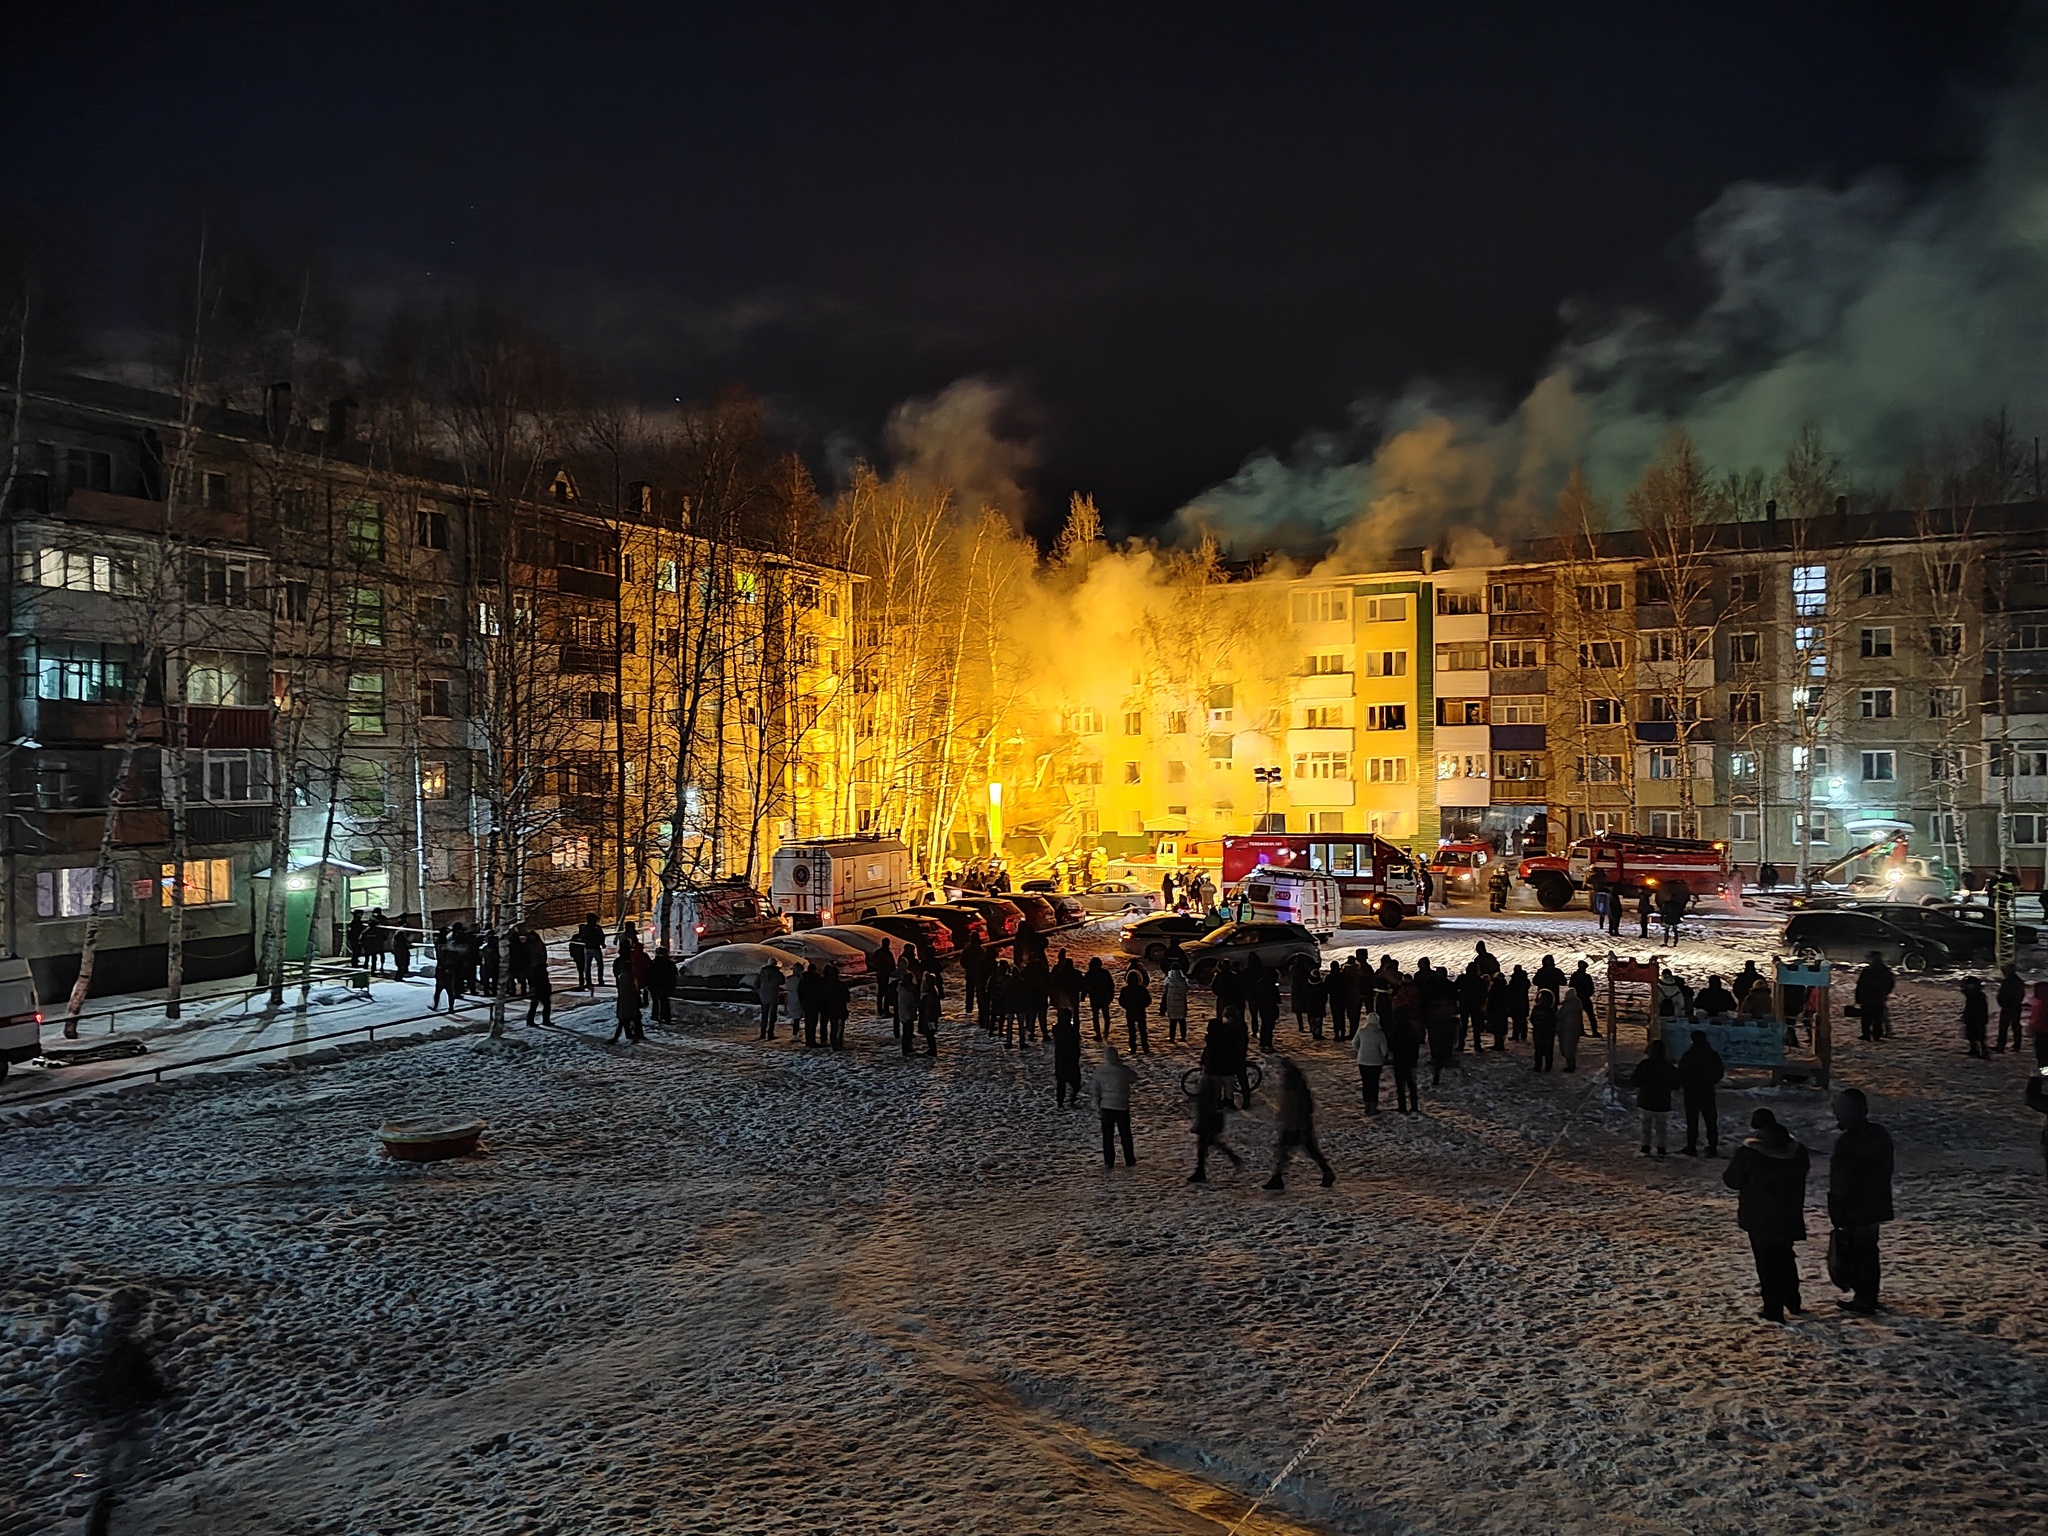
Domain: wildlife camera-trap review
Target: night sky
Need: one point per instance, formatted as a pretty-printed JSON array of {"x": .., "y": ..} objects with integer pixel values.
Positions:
[{"x": 1177, "y": 234}]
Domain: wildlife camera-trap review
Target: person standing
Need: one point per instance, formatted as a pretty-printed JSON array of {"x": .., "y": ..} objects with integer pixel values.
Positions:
[
  {"x": 1295, "y": 1118},
  {"x": 1066, "y": 1063},
  {"x": 540, "y": 992},
  {"x": 1136, "y": 998},
  {"x": 353, "y": 938},
  {"x": 586, "y": 948},
  {"x": 1099, "y": 987},
  {"x": 909, "y": 994},
  {"x": 1613, "y": 923},
  {"x": 401, "y": 965},
  {"x": 1543, "y": 1025},
  {"x": 1768, "y": 1174},
  {"x": 1173, "y": 1003},
  {"x": 809, "y": 1002},
  {"x": 1518, "y": 1005},
  {"x": 1442, "y": 1027},
  {"x": 447, "y": 968},
  {"x": 1653, "y": 1079},
  {"x": 1699, "y": 1069},
  {"x": 768, "y": 992},
  {"x": 1874, "y": 985},
  {"x": 1582, "y": 983},
  {"x": 1976, "y": 1018},
  {"x": 1645, "y": 905},
  {"x": 2037, "y": 1023},
  {"x": 2012, "y": 997},
  {"x": 628, "y": 1010},
  {"x": 883, "y": 963},
  {"x": 1318, "y": 1003},
  {"x": 1859, "y": 1199},
  {"x": 661, "y": 981},
  {"x": 1372, "y": 1053},
  {"x": 1404, "y": 1046},
  {"x": 1109, "y": 1090},
  {"x": 929, "y": 1004},
  {"x": 1571, "y": 1024}
]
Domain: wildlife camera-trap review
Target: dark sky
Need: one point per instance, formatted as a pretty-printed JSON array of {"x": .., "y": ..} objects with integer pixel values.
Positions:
[{"x": 1181, "y": 234}]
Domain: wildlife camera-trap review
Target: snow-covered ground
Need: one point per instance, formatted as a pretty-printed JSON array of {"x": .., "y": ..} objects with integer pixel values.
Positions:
[{"x": 713, "y": 1285}]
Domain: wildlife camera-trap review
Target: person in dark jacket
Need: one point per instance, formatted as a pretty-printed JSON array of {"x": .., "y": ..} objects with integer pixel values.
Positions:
[
  {"x": 883, "y": 964},
  {"x": 1212, "y": 1104},
  {"x": 1645, "y": 905},
  {"x": 1404, "y": 1046},
  {"x": 586, "y": 949},
  {"x": 540, "y": 990},
  {"x": 401, "y": 961},
  {"x": 1582, "y": 983},
  {"x": 2012, "y": 997},
  {"x": 1549, "y": 977},
  {"x": 1100, "y": 988},
  {"x": 1699, "y": 1069},
  {"x": 661, "y": 981},
  {"x": 1517, "y": 986},
  {"x": 628, "y": 1015},
  {"x": 1066, "y": 1063},
  {"x": 929, "y": 1004},
  {"x": 1301, "y": 972},
  {"x": 1296, "y": 1124},
  {"x": 1543, "y": 1025},
  {"x": 1653, "y": 1079},
  {"x": 1441, "y": 1014},
  {"x": 1499, "y": 1011},
  {"x": 1472, "y": 1006},
  {"x": 768, "y": 992},
  {"x": 1136, "y": 998},
  {"x": 1768, "y": 1173},
  {"x": 1874, "y": 985},
  {"x": 1266, "y": 1000},
  {"x": 1714, "y": 999},
  {"x": 810, "y": 1002},
  {"x": 1859, "y": 1198},
  {"x": 1976, "y": 1018}
]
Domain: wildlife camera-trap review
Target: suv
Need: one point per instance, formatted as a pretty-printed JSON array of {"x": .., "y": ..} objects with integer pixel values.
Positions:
[
  {"x": 1276, "y": 944},
  {"x": 962, "y": 922},
  {"x": 1151, "y": 937},
  {"x": 1848, "y": 933},
  {"x": 1966, "y": 940}
]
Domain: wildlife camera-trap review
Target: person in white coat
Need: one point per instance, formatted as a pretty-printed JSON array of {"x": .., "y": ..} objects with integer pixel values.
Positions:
[
  {"x": 1173, "y": 1003},
  {"x": 1109, "y": 1090},
  {"x": 1371, "y": 1052}
]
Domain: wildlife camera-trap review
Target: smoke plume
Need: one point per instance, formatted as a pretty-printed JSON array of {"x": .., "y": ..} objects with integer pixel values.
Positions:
[{"x": 968, "y": 436}]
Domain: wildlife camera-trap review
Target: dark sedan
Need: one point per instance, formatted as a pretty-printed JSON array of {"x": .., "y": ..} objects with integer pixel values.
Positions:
[
  {"x": 1849, "y": 933},
  {"x": 962, "y": 922},
  {"x": 1967, "y": 940},
  {"x": 1004, "y": 915},
  {"x": 1150, "y": 937},
  {"x": 932, "y": 939}
]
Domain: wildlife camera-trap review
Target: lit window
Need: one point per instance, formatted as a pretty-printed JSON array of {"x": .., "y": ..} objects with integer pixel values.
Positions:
[
  {"x": 206, "y": 884},
  {"x": 68, "y": 893},
  {"x": 434, "y": 781},
  {"x": 1809, "y": 590}
]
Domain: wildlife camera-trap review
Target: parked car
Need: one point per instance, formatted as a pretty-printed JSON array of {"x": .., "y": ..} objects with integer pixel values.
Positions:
[
  {"x": 1848, "y": 933},
  {"x": 960, "y": 921},
  {"x": 811, "y": 944},
  {"x": 728, "y": 970},
  {"x": 1978, "y": 920},
  {"x": 1276, "y": 944},
  {"x": 1964, "y": 939},
  {"x": 1150, "y": 937},
  {"x": 932, "y": 939},
  {"x": 862, "y": 936},
  {"x": 1071, "y": 913},
  {"x": 1041, "y": 912},
  {"x": 1003, "y": 915},
  {"x": 21, "y": 1016},
  {"x": 1118, "y": 896}
]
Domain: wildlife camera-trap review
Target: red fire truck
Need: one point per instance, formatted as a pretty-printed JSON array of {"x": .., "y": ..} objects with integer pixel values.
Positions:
[
  {"x": 1627, "y": 863},
  {"x": 1375, "y": 879}
]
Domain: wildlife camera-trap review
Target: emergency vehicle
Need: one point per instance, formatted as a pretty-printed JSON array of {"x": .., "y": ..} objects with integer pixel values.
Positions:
[
  {"x": 1462, "y": 869},
  {"x": 1627, "y": 864},
  {"x": 1270, "y": 895},
  {"x": 1375, "y": 879}
]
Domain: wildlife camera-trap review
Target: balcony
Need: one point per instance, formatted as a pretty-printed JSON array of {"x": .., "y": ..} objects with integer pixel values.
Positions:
[
  {"x": 220, "y": 726},
  {"x": 586, "y": 660},
  {"x": 207, "y": 824},
  {"x": 576, "y": 582},
  {"x": 79, "y": 831},
  {"x": 59, "y": 722},
  {"x": 1323, "y": 685},
  {"x": 1521, "y": 791}
]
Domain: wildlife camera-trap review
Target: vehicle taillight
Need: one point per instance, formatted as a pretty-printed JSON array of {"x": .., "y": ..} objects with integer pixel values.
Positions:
[{"x": 700, "y": 928}]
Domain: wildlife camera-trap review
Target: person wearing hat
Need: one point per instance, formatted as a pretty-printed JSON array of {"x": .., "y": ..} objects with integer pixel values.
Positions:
[
  {"x": 1768, "y": 1174},
  {"x": 1859, "y": 1199}
]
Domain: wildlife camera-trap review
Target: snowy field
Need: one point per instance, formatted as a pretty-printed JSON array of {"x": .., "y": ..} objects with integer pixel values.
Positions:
[{"x": 711, "y": 1285}]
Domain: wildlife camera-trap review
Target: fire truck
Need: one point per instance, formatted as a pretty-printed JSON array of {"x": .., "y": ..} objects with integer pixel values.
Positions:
[
  {"x": 1374, "y": 878},
  {"x": 1627, "y": 863}
]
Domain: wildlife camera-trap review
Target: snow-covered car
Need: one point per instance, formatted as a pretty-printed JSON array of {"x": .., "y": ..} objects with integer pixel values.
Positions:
[
  {"x": 730, "y": 969},
  {"x": 813, "y": 945},
  {"x": 862, "y": 936},
  {"x": 1106, "y": 896},
  {"x": 932, "y": 939}
]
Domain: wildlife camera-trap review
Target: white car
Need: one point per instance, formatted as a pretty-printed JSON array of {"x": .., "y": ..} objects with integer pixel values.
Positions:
[{"x": 1116, "y": 896}]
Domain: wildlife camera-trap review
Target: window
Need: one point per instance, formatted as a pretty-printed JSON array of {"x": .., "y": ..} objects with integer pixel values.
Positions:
[
  {"x": 1603, "y": 712},
  {"x": 1465, "y": 765},
  {"x": 1944, "y": 827},
  {"x": 601, "y": 706},
  {"x": 1517, "y": 655},
  {"x": 1742, "y": 826},
  {"x": 1946, "y": 578},
  {"x": 1084, "y": 773},
  {"x": 431, "y": 528},
  {"x": 1944, "y": 767},
  {"x": 1880, "y": 767},
  {"x": 1519, "y": 767},
  {"x": 2029, "y": 831},
  {"x": 1745, "y": 649},
  {"x": 433, "y": 781},
  {"x": 2028, "y": 762},
  {"x": 1386, "y": 663},
  {"x": 365, "y": 530},
  {"x": 1520, "y": 596},
  {"x": 1386, "y": 610},
  {"x": 1521, "y": 709},
  {"x": 1134, "y": 722},
  {"x": 1386, "y": 717},
  {"x": 1875, "y": 581},
  {"x": 70, "y": 570},
  {"x": 215, "y": 581},
  {"x": 1323, "y": 717},
  {"x": 206, "y": 883},
  {"x": 366, "y": 703},
  {"x": 1809, "y": 590},
  {"x": 1461, "y": 658},
  {"x": 1222, "y": 700},
  {"x": 1461, "y": 711},
  {"x": 571, "y": 852},
  {"x": 1944, "y": 703},
  {"x": 1084, "y": 722},
  {"x": 1176, "y": 722},
  {"x": 2028, "y": 637},
  {"x": 806, "y": 647},
  {"x": 1745, "y": 708},
  {"x": 235, "y": 776},
  {"x": 1667, "y": 824},
  {"x": 1877, "y": 642},
  {"x": 213, "y": 487},
  {"x": 1745, "y": 587},
  {"x": 78, "y": 671},
  {"x": 87, "y": 469},
  {"x": 362, "y": 790},
  {"x": 1809, "y": 702},
  {"x": 1810, "y": 826},
  {"x": 435, "y": 702},
  {"x": 1176, "y": 771},
  {"x": 1665, "y": 710},
  {"x": 1659, "y": 645},
  {"x": 1667, "y": 762},
  {"x": 1600, "y": 597},
  {"x": 1602, "y": 823},
  {"x": 1741, "y": 765},
  {"x": 1326, "y": 821},
  {"x": 69, "y": 893},
  {"x": 1603, "y": 654},
  {"x": 1815, "y": 757},
  {"x": 1321, "y": 607},
  {"x": 1383, "y": 770},
  {"x": 1875, "y": 703},
  {"x": 226, "y": 679},
  {"x": 1322, "y": 765},
  {"x": 1132, "y": 773},
  {"x": 1600, "y": 769},
  {"x": 1220, "y": 748},
  {"x": 365, "y": 616},
  {"x": 1324, "y": 664},
  {"x": 1450, "y": 603},
  {"x": 1945, "y": 639}
]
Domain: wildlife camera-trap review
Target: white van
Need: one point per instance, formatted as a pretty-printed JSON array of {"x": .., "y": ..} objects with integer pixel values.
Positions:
[
  {"x": 1302, "y": 896},
  {"x": 21, "y": 1017}
]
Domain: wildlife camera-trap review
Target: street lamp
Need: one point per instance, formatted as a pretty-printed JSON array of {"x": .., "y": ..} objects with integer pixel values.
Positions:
[{"x": 1266, "y": 778}]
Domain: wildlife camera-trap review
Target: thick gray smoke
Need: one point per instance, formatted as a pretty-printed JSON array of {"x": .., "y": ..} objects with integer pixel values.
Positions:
[
  {"x": 966, "y": 437},
  {"x": 1885, "y": 316}
]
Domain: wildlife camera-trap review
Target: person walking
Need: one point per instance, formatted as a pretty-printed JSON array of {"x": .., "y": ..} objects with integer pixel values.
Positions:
[
  {"x": 1653, "y": 1079},
  {"x": 401, "y": 965},
  {"x": 1370, "y": 1049},
  {"x": 1976, "y": 1018},
  {"x": 1699, "y": 1069},
  {"x": 1100, "y": 988},
  {"x": 1543, "y": 1027},
  {"x": 1212, "y": 1105},
  {"x": 1874, "y": 985},
  {"x": 1066, "y": 1063},
  {"x": 1295, "y": 1120},
  {"x": 2012, "y": 997},
  {"x": 1859, "y": 1200},
  {"x": 1109, "y": 1090},
  {"x": 1136, "y": 998},
  {"x": 1173, "y": 1003},
  {"x": 586, "y": 949},
  {"x": 883, "y": 963},
  {"x": 1571, "y": 1023},
  {"x": 1768, "y": 1174},
  {"x": 768, "y": 992}
]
